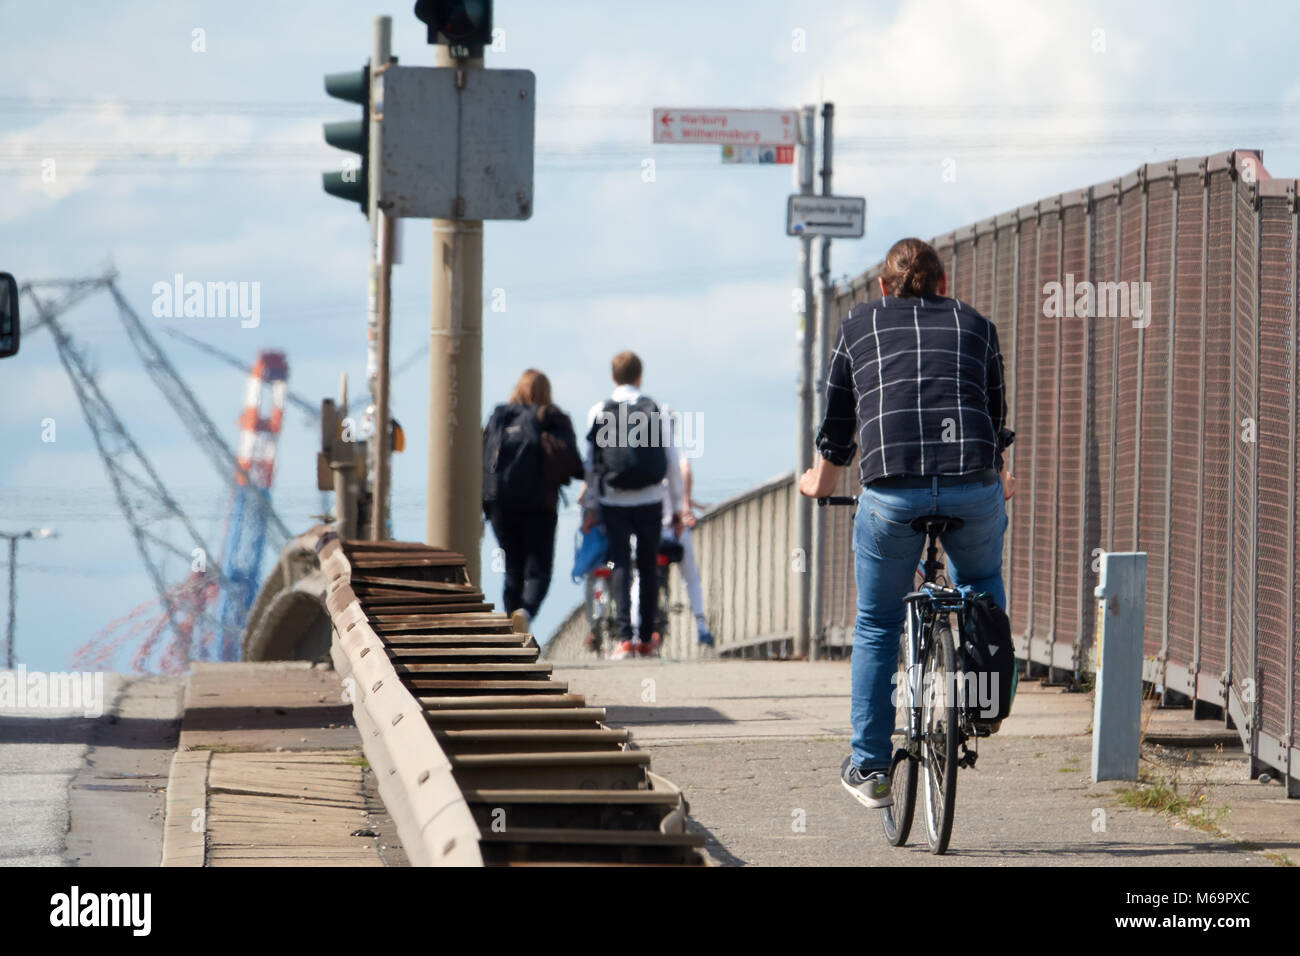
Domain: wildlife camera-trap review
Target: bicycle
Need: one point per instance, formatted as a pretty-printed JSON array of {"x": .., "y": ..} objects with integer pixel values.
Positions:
[
  {"x": 931, "y": 697},
  {"x": 602, "y": 610}
]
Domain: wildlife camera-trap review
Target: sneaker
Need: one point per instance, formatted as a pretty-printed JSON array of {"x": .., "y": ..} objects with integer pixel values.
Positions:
[
  {"x": 519, "y": 620},
  {"x": 704, "y": 636},
  {"x": 870, "y": 787},
  {"x": 624, "y": 649},
  {"x": 646, "y": 648}
]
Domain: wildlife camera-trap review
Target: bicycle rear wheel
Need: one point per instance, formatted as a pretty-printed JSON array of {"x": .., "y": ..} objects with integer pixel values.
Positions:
[
  {"x": 942, "y": 735},
  {"x": 897, "y": 819}
]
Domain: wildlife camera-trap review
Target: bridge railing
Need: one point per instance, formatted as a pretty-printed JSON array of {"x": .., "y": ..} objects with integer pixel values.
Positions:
[{"x": 743, "y": 548}]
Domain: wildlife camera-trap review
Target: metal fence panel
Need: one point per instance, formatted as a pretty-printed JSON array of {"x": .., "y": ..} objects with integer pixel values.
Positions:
[
  {"x": 1245, "y": 444},
  {"x": 1100, "y": 430},
  {"x": 1002, "y": 314},
  {"x": 1047, "y": 406},
  {"x": 982, "y": 296},
  {"x": 1071, "y": 612},
  {"x": 1217, "y": 437},
  {"x": 1187, "y": 372},
  {"x": 964, "y": 265},
  {"x": 1153, "y": 333},
  {"x": 1132, "y": 234},
  {"x": 1274, "y": 613},
  {"x": 1292, "y": 269},
  {"x": 1028, "y": 303}
]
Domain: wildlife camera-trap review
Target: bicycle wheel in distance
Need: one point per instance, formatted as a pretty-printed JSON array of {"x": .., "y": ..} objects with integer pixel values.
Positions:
[
  {"x": 939, "y": 748},
  {"x": 897, "y": 819}
]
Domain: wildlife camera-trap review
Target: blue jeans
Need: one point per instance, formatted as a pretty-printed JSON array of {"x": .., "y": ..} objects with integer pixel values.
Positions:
[{"x": 886, "y": 551}]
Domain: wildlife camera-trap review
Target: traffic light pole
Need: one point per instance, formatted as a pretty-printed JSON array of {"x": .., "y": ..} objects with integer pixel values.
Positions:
[
  {"x": 378, "y": 331},
  {"x": 454, "y": 491},
  {"x": 819, "y": 393},
  {"x": 803, "y": 414}
]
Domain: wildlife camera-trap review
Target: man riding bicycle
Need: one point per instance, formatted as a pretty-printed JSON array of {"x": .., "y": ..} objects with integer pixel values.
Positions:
[{"x": 920, "y": 376}]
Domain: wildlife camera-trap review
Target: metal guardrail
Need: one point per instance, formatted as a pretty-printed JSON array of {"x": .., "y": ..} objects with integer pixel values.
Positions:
[
  {"x": 481, "y": 758},
  {"x": 1176, "y": 436},
  {"x": 414, "y": 774}
]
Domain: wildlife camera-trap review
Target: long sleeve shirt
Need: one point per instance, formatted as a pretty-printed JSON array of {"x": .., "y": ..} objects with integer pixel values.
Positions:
[{"x": 917, "y": 385}]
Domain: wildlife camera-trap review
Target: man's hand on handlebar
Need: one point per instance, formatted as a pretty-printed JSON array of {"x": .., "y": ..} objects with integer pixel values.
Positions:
[{"x": 819, "y": 480}]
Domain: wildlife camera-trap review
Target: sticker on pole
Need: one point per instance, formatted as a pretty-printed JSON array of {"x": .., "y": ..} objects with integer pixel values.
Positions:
[
  {"x": 726, "y": 127},
  {"x": 835, "y": 217},
  {"x": 762, "y": 155}
]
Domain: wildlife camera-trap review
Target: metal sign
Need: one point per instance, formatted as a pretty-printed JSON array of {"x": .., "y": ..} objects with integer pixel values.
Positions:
[
  {"x": 427, "y": 171},
  {"x": 763, "y": 155},
  {"x": 836, "y": 217},
  {"x": 726, "y": 127}
]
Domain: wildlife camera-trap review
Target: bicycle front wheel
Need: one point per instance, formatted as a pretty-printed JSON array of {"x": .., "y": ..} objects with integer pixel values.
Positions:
[{"x": 941, "y": 737}]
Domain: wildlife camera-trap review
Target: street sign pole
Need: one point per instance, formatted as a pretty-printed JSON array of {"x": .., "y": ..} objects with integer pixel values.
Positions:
[
  {"x": 378, "y": 332},
  {"x": 803, "y": 414},
  {"x": 454, "y": 491},
  {"x": 819, "y": 393}
]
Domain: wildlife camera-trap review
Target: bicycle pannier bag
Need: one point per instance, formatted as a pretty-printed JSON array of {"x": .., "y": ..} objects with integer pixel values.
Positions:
[{"x": 988, "y": 660}]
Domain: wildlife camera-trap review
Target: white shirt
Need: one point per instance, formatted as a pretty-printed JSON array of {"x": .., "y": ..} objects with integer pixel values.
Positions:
[{"x": 631, "y": 497}]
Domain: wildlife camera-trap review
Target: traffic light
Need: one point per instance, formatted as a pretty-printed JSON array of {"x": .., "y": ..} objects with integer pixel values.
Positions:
[
  {"x": 458, "y": 23},
  {"x": 353, "y": 182}
]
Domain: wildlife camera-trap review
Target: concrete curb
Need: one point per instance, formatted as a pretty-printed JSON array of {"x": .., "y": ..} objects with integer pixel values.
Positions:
[{"x": 187, "y": 791}]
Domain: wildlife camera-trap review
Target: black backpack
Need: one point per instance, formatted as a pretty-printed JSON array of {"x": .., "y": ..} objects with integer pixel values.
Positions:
[
  {"x": 512, "y": 459},
  {"x": 988, "y": 660},
  {"x": 626, "y": 437}
]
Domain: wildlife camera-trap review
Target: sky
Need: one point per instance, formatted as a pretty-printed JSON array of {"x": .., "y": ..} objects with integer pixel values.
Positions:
[{"x": 185, "y": 137}]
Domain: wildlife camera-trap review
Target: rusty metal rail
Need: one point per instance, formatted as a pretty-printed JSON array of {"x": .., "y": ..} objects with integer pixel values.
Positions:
[{"x": 504, "y": 765}]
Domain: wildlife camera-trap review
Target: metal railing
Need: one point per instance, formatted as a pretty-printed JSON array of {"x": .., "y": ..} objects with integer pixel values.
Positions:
[{"x": 743, "y": 548}]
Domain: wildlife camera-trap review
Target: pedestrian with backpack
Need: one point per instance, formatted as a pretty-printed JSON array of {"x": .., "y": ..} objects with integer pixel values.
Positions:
[
  {"x": 630, "y": 453},
  {"x": 530, "y": 451}
]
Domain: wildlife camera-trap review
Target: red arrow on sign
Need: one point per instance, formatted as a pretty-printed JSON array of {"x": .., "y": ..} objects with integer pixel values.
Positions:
[{"x": 666, "y": 119}]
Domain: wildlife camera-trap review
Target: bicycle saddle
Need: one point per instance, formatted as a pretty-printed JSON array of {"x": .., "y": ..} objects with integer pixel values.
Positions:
[{"x": 936, "y": 524}]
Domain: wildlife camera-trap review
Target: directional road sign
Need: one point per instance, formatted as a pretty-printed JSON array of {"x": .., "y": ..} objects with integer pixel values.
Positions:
[
  {"x": 836, "y": 217},
  {"x": 727, "y": 127}
]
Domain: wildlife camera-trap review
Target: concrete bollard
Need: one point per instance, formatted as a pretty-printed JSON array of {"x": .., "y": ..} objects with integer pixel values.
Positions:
[{"x": 1117, "y": 719}]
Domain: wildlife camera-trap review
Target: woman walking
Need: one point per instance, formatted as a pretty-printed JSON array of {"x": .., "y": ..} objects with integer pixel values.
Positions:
[{"x": 529, "y": 452}]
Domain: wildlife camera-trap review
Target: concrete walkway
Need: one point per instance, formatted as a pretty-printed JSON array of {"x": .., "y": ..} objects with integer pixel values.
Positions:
[{"x": 757, "y": 745}]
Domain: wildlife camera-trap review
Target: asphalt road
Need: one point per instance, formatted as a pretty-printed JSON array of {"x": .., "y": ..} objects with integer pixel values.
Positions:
[{"x": 88, "y": 791}]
